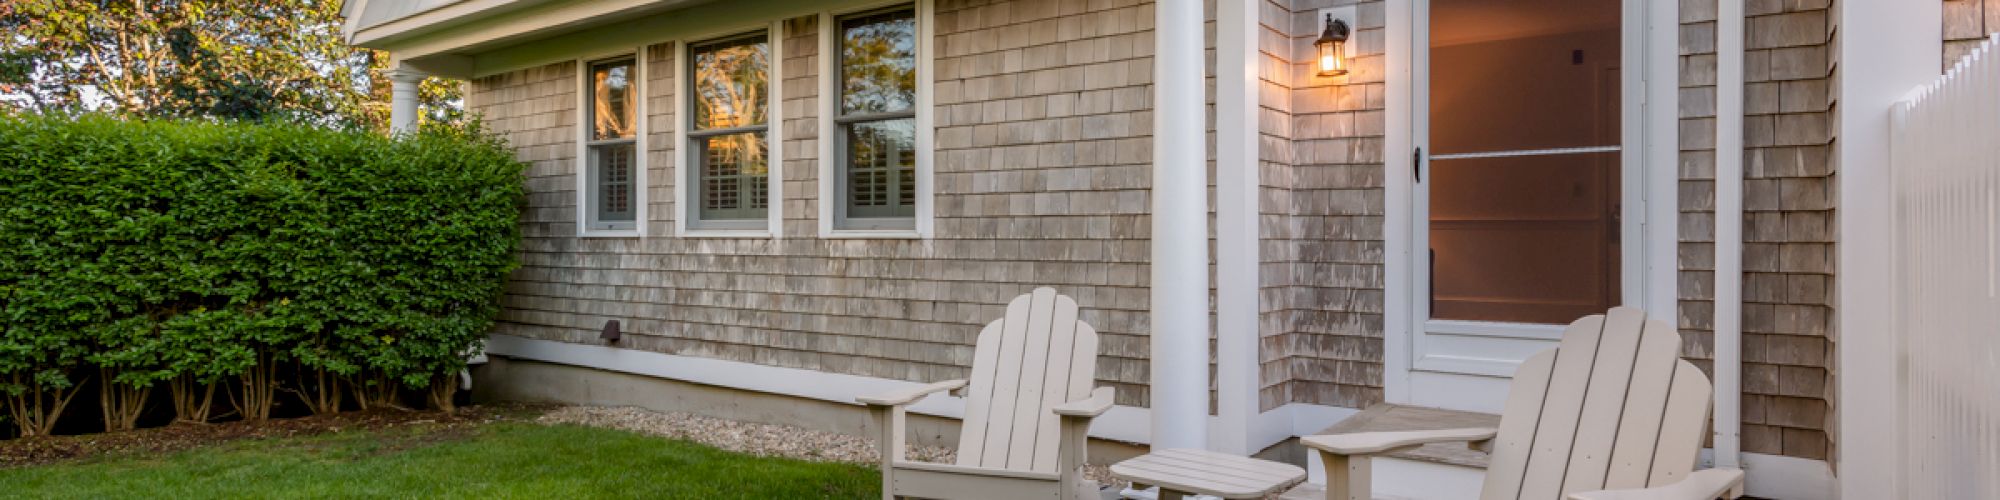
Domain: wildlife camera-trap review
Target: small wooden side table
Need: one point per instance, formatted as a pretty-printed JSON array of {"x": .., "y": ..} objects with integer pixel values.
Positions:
[{"x": 1182, "y": 472}]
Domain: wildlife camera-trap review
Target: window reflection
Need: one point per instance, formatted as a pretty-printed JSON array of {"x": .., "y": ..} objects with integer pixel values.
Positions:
[
  {"x": 731, "y": 82},
  {"x": 878, "y": 63},
  {"x": 612, "y": 104},
  {"x": 882, "y": 160}
]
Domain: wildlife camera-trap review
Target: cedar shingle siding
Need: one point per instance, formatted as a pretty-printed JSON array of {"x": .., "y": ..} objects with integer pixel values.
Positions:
[
  {"x": 1788, "y": 219},
  {"x": 1042, "y": 171},
  {"x": 1322, "y": 211},
  {"x": 1966, "y": 23}
]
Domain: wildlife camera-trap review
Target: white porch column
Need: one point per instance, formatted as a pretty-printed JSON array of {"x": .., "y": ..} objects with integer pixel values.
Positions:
[
  {"x": 1180, "y": 229},
  {"x": 1236, "y": 230},
  {"x": 403, "y": 99}
]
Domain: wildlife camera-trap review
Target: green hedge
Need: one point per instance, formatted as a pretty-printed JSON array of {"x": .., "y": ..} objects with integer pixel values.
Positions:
[{"x": 148, "y": 251}]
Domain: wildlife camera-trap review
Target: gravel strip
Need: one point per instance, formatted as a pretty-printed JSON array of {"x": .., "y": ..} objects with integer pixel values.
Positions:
[{"x": 763, "y": 440}]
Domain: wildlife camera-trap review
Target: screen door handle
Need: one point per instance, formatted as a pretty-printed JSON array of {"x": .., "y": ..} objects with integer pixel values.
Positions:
[{"x": 1417, "y": 165}]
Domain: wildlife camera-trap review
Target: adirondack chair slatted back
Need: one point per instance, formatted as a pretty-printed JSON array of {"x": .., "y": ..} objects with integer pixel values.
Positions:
[
  {"x": 1033, "y": 359},
  {"x": 1612, "y": 407}
]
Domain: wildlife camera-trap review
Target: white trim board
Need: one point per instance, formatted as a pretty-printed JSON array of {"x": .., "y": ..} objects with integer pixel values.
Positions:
[
  {"x": 1727, "y": 324},
  {"x": 1123, "y": 423},
  {"x": 1237, "y": 231},
  {"x": 1781, "y": 477},
  {"x": 1874, "y": 73}
]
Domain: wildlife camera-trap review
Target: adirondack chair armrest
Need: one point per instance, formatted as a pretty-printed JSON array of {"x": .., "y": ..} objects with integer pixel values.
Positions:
[
  {"x": 1708, "y": 484},
  {"x": 1098, "y": 402},
  {"x": 1377, "y": 443},
  {"x": 911, "y": 395}
]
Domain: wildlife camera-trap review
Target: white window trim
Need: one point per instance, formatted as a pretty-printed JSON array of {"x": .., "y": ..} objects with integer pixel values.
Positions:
[
  {"x": 829, "y": 162},
  {"x": 774, "y": 137},
  {"x": 641, "y": 183}
]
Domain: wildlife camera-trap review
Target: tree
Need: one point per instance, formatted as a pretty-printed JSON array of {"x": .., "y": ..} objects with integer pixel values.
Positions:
[{"x": 253, "y": 59}]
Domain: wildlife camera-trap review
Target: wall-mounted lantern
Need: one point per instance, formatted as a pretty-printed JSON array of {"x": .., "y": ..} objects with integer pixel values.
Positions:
[{"x": 1332, "y": 48}]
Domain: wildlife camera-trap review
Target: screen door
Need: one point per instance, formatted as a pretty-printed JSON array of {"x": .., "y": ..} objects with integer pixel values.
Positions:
[{"x": 1519, "y": 167}]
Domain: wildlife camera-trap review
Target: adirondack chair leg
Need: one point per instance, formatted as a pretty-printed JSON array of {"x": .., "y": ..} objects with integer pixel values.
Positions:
[
  {"x": 889, "y": 422},
  {"x": 1347, "y": 477},
  {"x": 1075, "y": 436}
]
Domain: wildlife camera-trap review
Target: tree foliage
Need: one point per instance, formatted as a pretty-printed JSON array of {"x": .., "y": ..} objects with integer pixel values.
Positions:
[
  {"x": 198, "y": 58},
  {"x": 160, "y": 249}
]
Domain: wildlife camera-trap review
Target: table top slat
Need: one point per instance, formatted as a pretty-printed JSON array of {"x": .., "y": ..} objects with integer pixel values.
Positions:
[
  {"x": 1224, "y": 468},
  {"x": 1180, "y": 481},
  {"x": 1209, "y": 473}
]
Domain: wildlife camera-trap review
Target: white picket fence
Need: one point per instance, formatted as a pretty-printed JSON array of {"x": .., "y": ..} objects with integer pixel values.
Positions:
[{"x": 1946, "y": 162}]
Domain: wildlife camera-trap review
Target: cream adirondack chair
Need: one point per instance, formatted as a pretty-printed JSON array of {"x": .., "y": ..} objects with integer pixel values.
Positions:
[
  {"x": 1027, "y": 410},
  {"x": 1613, "y": 407}
]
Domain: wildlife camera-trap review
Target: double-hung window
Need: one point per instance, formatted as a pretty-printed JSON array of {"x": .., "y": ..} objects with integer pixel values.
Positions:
[
  {"x": 610, "y": 200},
  {"x": 729, "y": 89},
  {"x": 875, "y": 123}
]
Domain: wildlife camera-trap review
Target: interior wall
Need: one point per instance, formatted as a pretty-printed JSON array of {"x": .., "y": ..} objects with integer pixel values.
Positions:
[{"x": 1529, "y": 239}]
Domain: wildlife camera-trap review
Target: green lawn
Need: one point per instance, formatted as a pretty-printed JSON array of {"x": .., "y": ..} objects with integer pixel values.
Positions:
[{"x": 500, "y": 460}]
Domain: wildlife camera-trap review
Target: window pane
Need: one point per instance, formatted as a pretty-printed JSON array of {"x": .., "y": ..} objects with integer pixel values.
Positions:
[
  {"x": 613, "y": 177},
  {"x": 732, "y": 176},
  {"x": 1546, "y": 78},
  {"x": 731, "y": 83},
  {"x": 878, "y": 62},
  {"x": 882, "y": 168},
  {"x": 1524, "y": 239},
  {"x": 612, "y": 102}
]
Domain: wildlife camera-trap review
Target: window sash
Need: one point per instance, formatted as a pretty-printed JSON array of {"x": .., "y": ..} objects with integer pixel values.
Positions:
[
  {"x": 892, "y": 183},
  {"x": 609, "y": 196},
  {"x": 893, "y": 186},
  {"x": 723, "y": 195},
  {"x": 759, "y": 108},
  {"x": 732, "y": 197},
  {"x": 613, "y": 201}
]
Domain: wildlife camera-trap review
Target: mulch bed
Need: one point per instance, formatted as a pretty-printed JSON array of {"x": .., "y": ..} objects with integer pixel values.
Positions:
[{"x": 41, "y": 450}]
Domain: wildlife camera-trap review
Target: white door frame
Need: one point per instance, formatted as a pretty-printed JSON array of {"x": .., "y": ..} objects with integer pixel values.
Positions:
[{"x": 1422, "y": 369}]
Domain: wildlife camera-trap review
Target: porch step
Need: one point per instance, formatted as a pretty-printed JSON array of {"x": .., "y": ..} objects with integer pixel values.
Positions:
[{"x": 1393, "y": 417}]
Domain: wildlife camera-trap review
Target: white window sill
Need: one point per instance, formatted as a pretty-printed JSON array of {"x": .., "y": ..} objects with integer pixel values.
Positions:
[
  {"x": 872, "y": 234},
  {"x": 726, "y": 233},
  {"x": 610, "y": 233}
]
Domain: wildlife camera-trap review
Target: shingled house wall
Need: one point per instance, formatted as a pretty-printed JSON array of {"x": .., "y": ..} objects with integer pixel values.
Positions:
[
  {"x": 1043, "y": 109},
  {"x": 1966, "y": 23},
  {"x": 1042, "y": 171},
  {"x": 1323, "y": 209}
]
